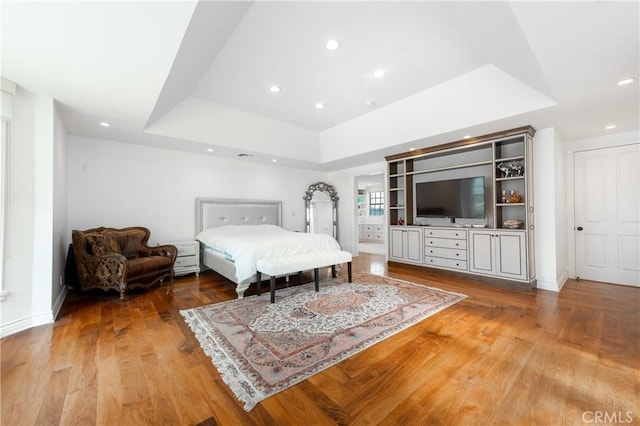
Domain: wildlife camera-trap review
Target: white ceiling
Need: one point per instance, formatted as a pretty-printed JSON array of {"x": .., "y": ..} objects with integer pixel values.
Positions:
[{"x": 196, "y": 75}]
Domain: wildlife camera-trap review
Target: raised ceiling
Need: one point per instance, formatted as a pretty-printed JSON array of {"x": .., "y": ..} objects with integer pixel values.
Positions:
[{"x": 196, "y": 75}]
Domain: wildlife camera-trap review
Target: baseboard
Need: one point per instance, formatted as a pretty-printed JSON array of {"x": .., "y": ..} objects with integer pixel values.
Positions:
[
  {"x": 57, "y": 305},
  {"x": 19, "y": 325},
  {"x": 562, "y": 281},
  {"x": 553, "y": 286}
]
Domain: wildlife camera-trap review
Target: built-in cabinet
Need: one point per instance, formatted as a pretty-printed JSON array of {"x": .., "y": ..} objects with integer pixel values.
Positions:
[
  {"x": 498, "y": 253},
  {"x": 362, "y": 202},
  {"x": 501, "y": 244},
  {"x": 405, "y": 244},
  {"x": 446, "y": 248},
  {"x": 371, "y": 233}
]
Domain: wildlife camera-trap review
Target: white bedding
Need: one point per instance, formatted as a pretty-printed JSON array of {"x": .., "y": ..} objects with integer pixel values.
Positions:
[{"x": 246, "y": 244}]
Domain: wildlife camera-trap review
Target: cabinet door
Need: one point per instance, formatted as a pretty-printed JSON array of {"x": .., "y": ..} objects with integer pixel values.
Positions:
[
  {"x": 511, "y": 255},
  {"x": 482, "y": 252},
  {"x": 405, "y": 245},
  {"x": 396, "y": 244},
  {"x": 414, "y": 245}
]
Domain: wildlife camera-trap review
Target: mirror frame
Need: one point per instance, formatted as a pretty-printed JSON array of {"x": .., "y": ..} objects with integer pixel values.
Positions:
[{"x": 333, "y": 195}]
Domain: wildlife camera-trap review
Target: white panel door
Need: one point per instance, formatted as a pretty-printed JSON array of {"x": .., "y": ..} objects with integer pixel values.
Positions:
[{"x": 607, "y": 214}]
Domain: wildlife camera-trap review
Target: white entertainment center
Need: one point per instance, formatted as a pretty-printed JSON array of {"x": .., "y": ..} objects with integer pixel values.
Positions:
[{"x": 491, "y": 237}]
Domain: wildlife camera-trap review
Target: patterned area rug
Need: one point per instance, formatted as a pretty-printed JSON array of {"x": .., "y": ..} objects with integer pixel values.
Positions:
[{"x": 261, "y": 348}]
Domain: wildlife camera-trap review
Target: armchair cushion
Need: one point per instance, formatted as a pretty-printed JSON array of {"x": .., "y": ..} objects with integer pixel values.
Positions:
[
  {"x": 102, "y": 243},
  {"x": 119, "y": 259}
]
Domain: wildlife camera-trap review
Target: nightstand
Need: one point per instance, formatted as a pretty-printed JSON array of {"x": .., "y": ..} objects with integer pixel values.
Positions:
[{"x": 188, "y": 259}]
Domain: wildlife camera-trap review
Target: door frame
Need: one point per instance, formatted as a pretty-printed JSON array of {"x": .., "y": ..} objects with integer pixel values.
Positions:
[{"x": 570, "y": 148}]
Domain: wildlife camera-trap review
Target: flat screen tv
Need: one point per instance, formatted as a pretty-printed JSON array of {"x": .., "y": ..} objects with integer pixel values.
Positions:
[{"x": 463, "y": 198}]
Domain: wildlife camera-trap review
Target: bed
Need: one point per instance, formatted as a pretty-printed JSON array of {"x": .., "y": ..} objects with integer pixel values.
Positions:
[{"x": 235, "y": 234}]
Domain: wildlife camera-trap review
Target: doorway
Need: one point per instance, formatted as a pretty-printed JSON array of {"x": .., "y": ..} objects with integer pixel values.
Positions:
[
  {"x": 607, "y": 214},
  {"x": 370, "y": 218}
]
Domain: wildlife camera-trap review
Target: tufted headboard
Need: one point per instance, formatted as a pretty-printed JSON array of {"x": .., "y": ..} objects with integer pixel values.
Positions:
[{"x": 214, "y": 212}]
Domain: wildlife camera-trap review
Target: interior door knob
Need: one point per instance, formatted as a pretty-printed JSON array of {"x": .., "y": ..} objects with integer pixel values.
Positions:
[{"x": 579, "y": 228}]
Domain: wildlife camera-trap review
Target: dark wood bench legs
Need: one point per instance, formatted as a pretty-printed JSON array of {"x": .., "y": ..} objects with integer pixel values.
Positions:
[
  {"x": 272, "y": 286},
  {"x": 316, "y": 280}
]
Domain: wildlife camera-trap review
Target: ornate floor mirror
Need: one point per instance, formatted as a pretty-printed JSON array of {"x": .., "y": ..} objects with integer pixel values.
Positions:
[{"x": 321, "y": 202}]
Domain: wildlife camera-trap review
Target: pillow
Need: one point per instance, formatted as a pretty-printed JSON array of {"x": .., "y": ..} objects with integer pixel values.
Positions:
[{"x": 102, "y": 244}]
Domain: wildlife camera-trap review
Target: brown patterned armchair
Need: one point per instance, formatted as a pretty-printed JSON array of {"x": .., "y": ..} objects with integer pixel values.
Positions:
[{"x": 120, "y": 259}]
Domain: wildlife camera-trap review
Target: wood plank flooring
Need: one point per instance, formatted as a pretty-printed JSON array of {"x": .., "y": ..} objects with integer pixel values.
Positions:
[{"x": 499, "y": 357}]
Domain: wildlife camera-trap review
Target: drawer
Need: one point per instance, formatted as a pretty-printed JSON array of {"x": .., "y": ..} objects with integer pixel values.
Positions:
[
  {"x": 445, "y": 242},
  {"x": 378, "y": 236},
  {"x": 378, "y": 228},
  {"x": 446, "y": 263},
  {"x": 457, "y": 234},
  {"x": 186, "y": 261},
  {"x": 368, "y": 228},
  {"x": 446, "y": 253},
  {"x": 186, "y": 249}
]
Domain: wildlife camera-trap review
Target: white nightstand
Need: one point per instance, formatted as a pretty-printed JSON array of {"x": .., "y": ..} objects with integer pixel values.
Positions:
[{"x": 188, "y": 259}]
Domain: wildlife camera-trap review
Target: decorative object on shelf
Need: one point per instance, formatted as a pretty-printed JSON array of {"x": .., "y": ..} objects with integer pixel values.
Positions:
[
  {"x": 517, "y": 170},
  {"x": 514, "y": 197},
  {"x": 504, "y": 198},
  {"x": 401, "y": 221},
  {"x": 510, "y": 170},
  {"x": 512, "y": 224},
  {"x": 504, "y": 170}
]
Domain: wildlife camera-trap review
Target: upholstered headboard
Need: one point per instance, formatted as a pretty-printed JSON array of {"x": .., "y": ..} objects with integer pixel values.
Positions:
[{"x": 214, "y": 212}]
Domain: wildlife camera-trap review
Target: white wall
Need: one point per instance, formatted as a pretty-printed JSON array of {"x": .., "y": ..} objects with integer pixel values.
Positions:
[
  {"x": 562, "y": 250},
  {"x": 60, "y": 231},
  {"x": 28, "y": 261},
  {"x": 545, "y": 208},
  {"x": 117, "y": 184}
]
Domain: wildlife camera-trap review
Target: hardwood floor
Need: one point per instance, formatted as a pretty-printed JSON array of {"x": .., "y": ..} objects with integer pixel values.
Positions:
[{"x": 498, "y": 357}]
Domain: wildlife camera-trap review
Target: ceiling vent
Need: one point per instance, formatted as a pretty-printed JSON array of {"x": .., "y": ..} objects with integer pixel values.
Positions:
[{"x": 244, "y": 155}]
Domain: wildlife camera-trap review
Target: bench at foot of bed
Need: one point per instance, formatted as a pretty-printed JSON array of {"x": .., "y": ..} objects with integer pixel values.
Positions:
[{"x": 301, "y": 262}]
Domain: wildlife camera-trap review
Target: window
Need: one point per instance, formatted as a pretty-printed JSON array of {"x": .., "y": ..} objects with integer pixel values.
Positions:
[{"x": 376, "y": 204}]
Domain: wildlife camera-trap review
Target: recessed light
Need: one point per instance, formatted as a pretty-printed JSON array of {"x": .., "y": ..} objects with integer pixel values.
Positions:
[
  {"x": 104, "y": 124},
  {"x": 412, "y": 149},
  {"x": 332, "y": 44},
  {"x": 610, "y": 127},
  {"x": 319, "y": 105},
  {"x": 210, "y": 149},
  {"x": 626, "y": 81},
  {"x": 379, "y": 74},
  {"x": 274, "y": 89},
  {"x": 467, "y": 136},
  {"x": 369, "y": 103},
  {"x": 275, "y": 160}
]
